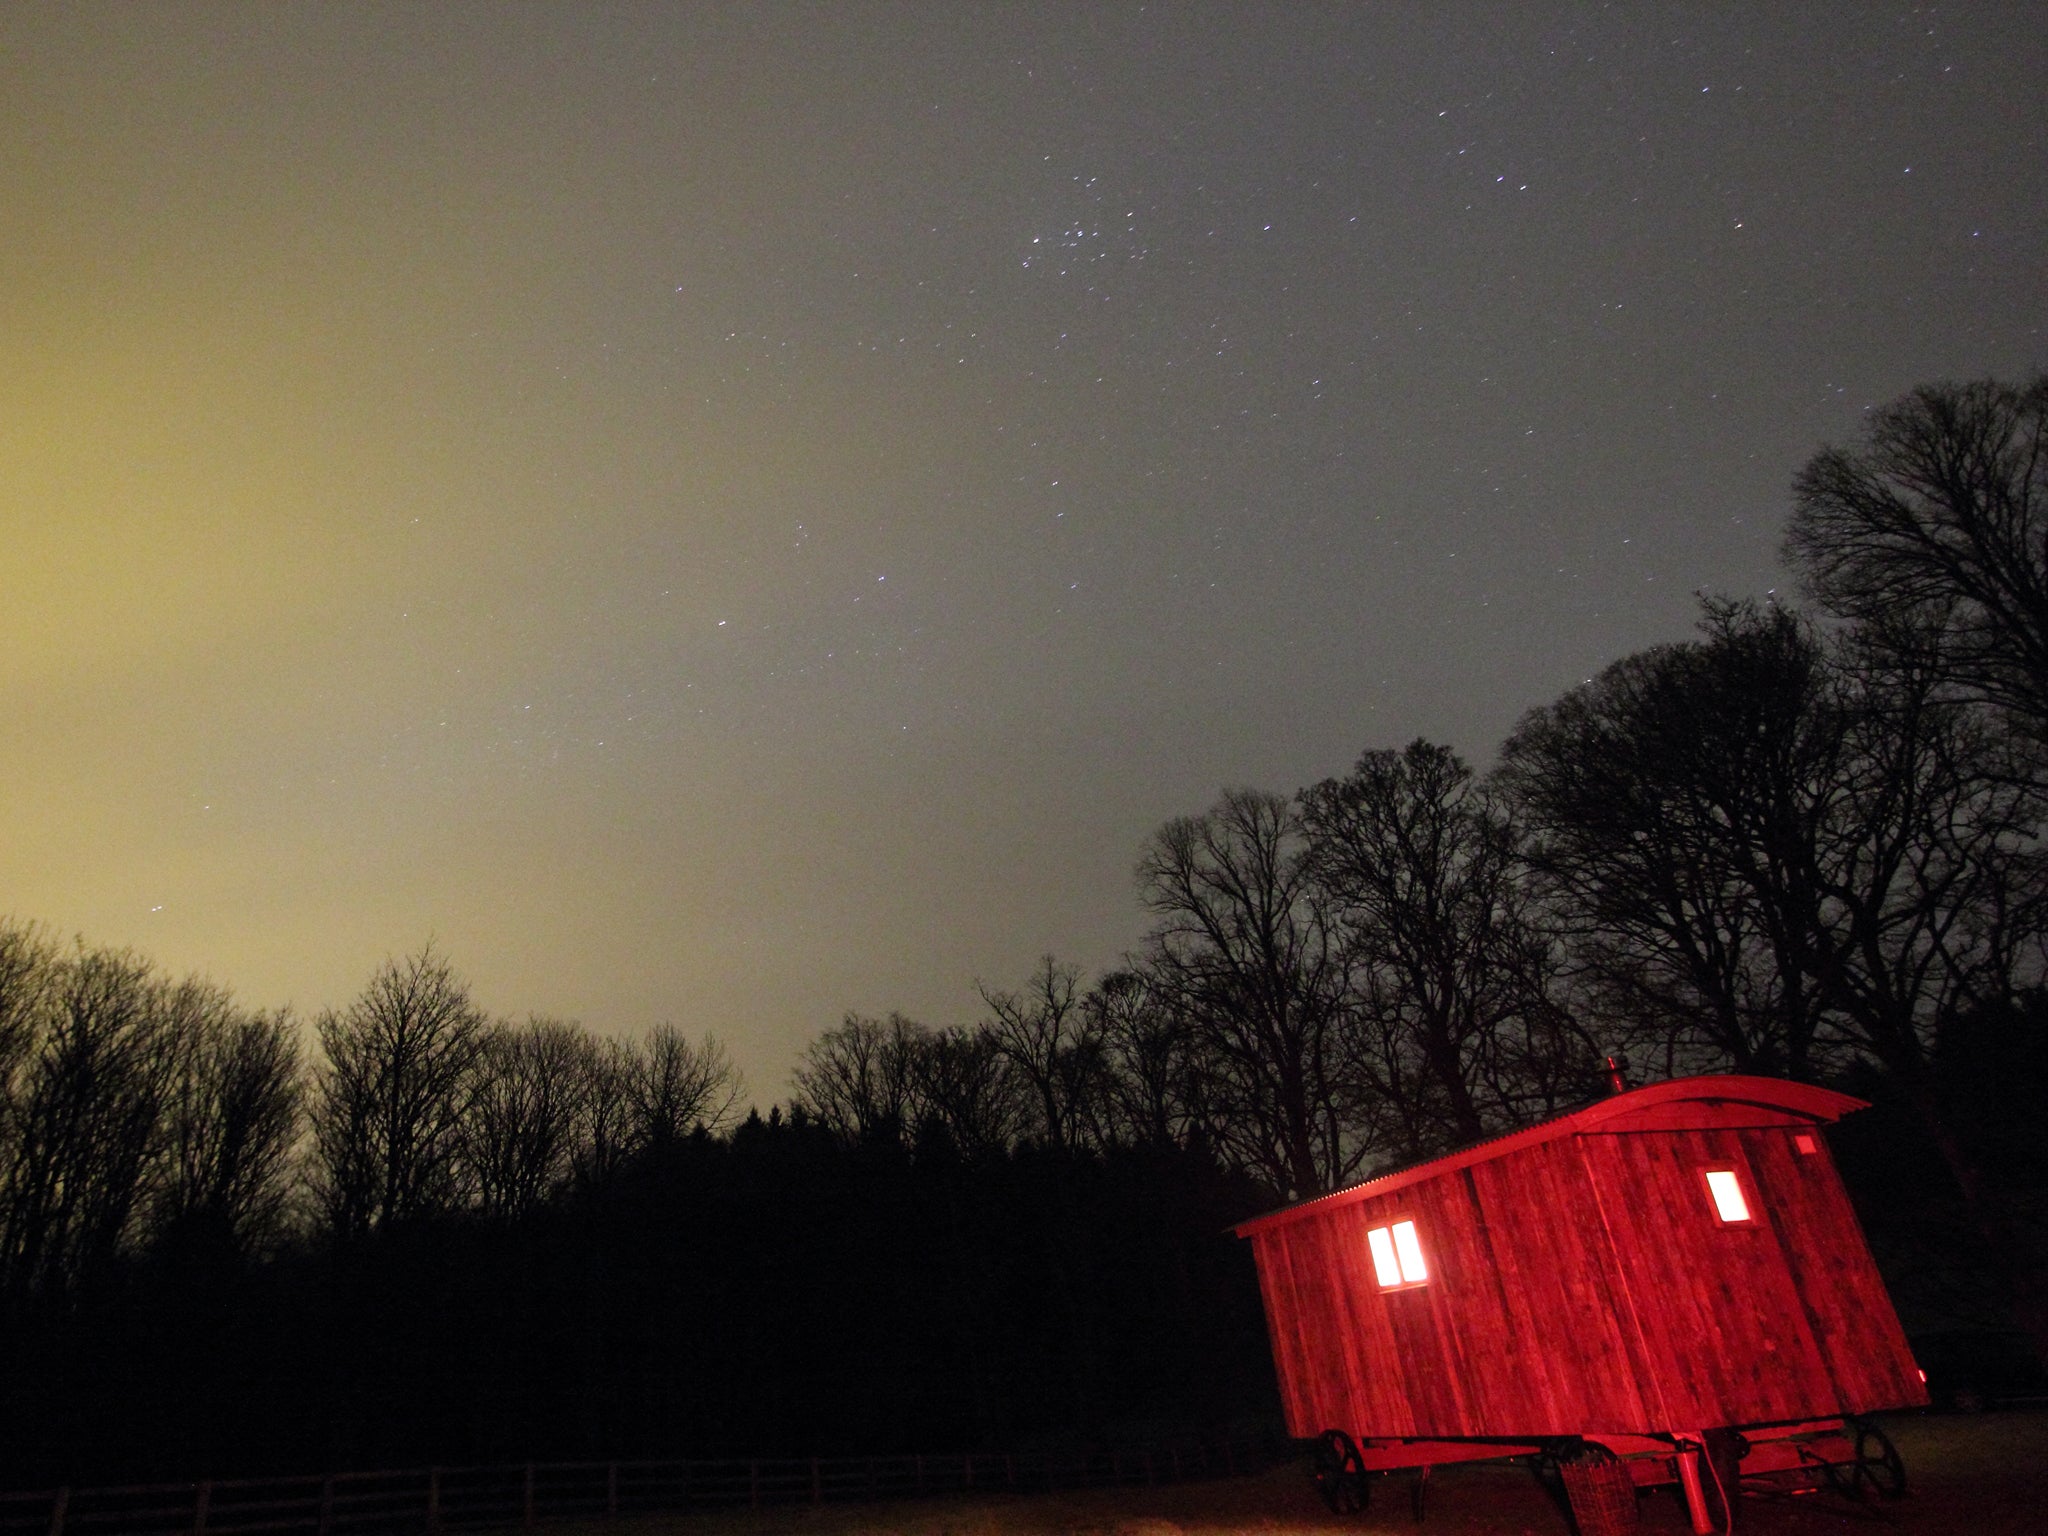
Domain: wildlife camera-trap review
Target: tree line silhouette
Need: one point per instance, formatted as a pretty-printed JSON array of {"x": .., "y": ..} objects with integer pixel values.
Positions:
[{"x": 1799, "y": 844}]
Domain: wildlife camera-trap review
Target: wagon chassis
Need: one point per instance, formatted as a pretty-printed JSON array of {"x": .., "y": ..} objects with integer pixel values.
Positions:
[{"x": 1601, "y": 1474}]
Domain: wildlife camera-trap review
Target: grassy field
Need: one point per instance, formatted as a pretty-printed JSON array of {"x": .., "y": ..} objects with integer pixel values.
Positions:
[{"x": 1980, "y": 1475}]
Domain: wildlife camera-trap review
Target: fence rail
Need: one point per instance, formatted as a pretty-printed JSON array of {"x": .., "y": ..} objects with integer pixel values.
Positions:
[{"x": 430, "y": 1499}]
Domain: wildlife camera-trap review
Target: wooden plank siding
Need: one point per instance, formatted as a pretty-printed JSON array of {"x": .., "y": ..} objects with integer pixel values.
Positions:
[
  {"x": 1293, "y": 1366},
  {"x": 1426, "y": 1385},
  {"x": 1581, "y": 1282},
  {"x": 1728, "y": 1341},
  {"x": 1577, "y": 1350},
  {"x": 1824, "y": 1251}
]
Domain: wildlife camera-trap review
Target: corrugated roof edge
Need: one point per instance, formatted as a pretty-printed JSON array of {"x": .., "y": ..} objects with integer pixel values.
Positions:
[{"x": 1817, "y": 1104}]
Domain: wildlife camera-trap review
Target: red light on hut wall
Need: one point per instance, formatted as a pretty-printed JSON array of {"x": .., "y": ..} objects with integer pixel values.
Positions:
[
  {"x": 1726, "y": 1189},
  {"x": 1804, "y": 1143},
  {"x": 1397, "y": 1256}
]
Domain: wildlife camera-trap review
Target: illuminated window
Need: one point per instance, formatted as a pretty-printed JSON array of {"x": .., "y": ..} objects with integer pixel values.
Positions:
[
  {"x": 1397, "y": 1255},
  {"x": 1806, "y": 1144},
  {"x": 1727, "y": 1192}
]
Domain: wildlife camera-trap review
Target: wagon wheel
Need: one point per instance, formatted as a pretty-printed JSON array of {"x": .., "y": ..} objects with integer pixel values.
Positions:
[
  {"x": 1875, "y": 1467},
  {"x": 1340, "y": 1473}
]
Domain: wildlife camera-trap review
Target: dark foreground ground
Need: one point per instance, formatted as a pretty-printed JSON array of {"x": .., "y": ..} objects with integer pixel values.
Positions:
[{"x": 1969, "y": 1475}]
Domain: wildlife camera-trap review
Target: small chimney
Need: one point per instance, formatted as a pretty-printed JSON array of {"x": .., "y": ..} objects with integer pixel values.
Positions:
[{"x": 1617, "y": 1074}]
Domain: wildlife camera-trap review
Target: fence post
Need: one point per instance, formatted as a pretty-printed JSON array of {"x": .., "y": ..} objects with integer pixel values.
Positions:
[
  {"x": 326, "y": 1505},
  {"x": 433, "y": 1498},
  {"x": 202, "y": 1497},
  {"x": 611, "y": 1488},
  {"x": 1009, "y": 1469},
  {"x": 753, "y": 1485},
  {"x": 1229, "y": 1461},
  {"x": 526, "y": 1497},
  {"x": 60, "y": 1505},
  {"x": 817, "y": 1492},
  {"x": 919, "y": 1460}
]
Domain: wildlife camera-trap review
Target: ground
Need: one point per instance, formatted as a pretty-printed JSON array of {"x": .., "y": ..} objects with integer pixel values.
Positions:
[{"x": 1970, "y": 1475}]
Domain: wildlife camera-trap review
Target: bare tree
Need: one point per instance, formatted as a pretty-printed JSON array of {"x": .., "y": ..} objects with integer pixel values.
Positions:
[
  {"x": 1822, "y": 849},
  {"x": 1154, "y": 1082},
  {"x": 84, "y": 1125},
  {"x": 677, "y": 1087},
  {"x": 524, "y": 1114},
  {"x": 965, "y": 1094},
  {"x": 1455, "y": 981},
  {"x": 1246, "y": 952},
  {"x": 231, "y": 1123},
  {"x": 1933, "y": 882},
  {"x": 1054, "y": 1050},
  {"x": 860, "y": 1079},
  {"x": 389, "y": 1096},
  {"x": 605, "y": 1141},
  {"x": 1934, "y": 536},
  {"x": 28, "y": 969},
  {"x": 1675, "y": 807}
]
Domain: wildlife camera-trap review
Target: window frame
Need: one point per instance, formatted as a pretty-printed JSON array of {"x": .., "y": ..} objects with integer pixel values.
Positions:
[
  {"x": 1745, "y": 1195},
  {"x": 1387, "y": 1233}
]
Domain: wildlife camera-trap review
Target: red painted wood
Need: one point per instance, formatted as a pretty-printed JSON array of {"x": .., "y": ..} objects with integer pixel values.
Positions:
[
  {"x": 1581, "y": 1282},
  {"x": 1671, "y": 1105}
]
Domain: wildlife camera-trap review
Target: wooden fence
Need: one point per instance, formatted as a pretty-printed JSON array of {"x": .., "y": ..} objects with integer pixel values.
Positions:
[{"x": 430, "y": 1499}]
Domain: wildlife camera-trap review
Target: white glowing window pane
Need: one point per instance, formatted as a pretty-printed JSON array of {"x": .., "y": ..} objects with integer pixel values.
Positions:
[
  {"x": 1384, "y": 1264},
  {"x": 1727, "y": 1195},
  {"x": 1409, "y": 1249}
]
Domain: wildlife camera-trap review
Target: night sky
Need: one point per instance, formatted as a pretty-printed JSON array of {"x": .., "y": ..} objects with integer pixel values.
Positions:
[{"x": 728, "y": 515}]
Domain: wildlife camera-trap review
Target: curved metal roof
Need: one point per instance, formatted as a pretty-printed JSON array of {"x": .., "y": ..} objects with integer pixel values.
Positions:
[{"x": 1668, "y": 1105}]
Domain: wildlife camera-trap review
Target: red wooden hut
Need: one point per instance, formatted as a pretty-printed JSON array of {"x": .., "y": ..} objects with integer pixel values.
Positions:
[{"x": 1672, "y": 1269}]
